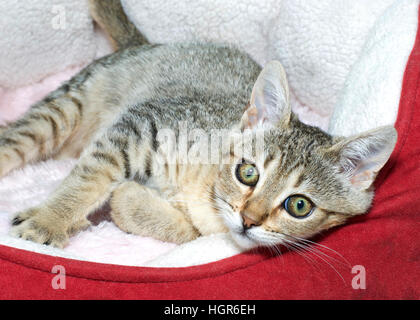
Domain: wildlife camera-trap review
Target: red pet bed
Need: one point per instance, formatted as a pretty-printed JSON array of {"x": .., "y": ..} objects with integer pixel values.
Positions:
[{"x": 382, "y": 246}]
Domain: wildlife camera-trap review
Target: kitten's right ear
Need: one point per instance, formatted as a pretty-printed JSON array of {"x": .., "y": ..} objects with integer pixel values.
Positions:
[
  {"x": 269, "y": 104},
  {"x": 362, "y": 156}
]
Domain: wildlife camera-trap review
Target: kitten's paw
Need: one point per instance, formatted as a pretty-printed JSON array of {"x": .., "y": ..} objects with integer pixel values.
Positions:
[{"x": 39, "y": 226}]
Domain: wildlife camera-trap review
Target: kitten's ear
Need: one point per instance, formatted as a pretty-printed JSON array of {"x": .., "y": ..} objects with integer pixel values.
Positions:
[
  {"x": 361, "y": 157},
  {"x": 269, "y": 103}
]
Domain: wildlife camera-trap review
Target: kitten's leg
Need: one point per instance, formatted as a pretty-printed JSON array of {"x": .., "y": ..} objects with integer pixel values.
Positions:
[
  {"x": 117, "y": 155},
  {"x": 140, "y": 210},
  {"x": 41, "y": 132}
]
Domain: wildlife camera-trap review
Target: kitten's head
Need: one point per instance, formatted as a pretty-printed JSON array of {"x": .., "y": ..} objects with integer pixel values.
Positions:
[{"x": 305, "y": 181}]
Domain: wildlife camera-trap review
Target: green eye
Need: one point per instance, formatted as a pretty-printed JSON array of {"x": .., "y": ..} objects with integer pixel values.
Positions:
[
  {"x": 247, "y": 174},
  {"x": 298, "y": 206}
]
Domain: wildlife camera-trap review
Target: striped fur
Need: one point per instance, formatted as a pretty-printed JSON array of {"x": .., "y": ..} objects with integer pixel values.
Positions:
[{"x": 110, "y": 15}]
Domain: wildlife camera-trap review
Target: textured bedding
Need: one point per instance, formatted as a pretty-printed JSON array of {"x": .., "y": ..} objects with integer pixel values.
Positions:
[{"x": 346, "y": 62}]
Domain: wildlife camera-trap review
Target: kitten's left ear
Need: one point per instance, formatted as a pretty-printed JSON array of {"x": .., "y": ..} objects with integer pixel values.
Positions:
[
  {"x": 269, "y": 103},
  {"x": 361, "y": 157}
]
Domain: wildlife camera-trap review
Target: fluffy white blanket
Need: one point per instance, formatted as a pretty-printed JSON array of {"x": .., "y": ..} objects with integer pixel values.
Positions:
[{"x": 345, "y": 61}]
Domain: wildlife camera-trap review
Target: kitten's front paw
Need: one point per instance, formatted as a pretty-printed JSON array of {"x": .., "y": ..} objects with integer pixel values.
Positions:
[{"x": 38, "y": 225}]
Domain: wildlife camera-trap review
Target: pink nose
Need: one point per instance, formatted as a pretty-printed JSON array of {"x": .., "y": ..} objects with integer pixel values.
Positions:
[{"x": 248, "y": 222}]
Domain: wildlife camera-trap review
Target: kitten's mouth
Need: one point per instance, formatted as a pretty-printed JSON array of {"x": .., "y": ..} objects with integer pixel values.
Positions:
[
  {"x": 243, "y": 239},
  {"x": 234, "y": 223}
]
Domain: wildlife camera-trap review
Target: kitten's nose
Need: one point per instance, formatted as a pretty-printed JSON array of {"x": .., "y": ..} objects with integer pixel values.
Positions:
[{"x": 248, "y": 222}]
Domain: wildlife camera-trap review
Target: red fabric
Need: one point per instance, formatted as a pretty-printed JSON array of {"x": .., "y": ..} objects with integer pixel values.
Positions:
[{"x": 384, "y": 242}]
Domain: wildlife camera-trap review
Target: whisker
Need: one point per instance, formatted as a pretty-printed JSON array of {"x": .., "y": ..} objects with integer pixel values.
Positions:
[
  {"x": 310, "y": 246},
  {"x": 272, "y": 246},
  {"x": 323, "y": 246},
  {"x": 292, "y": 245},
  {"x": 307, "y": 248},
  {"x": 303, "y": 247},
  {"x": 315, "y": 250}
]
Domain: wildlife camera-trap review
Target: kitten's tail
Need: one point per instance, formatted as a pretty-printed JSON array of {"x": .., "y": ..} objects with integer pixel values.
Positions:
[{"x": 109, "y": 14}]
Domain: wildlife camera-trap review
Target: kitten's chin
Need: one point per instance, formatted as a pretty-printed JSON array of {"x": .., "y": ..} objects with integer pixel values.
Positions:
[{"x": 243, "y": 241}]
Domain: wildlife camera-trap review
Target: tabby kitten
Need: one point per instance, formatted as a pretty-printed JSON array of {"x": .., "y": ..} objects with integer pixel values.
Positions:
[{"x": 112, "y": 113}]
